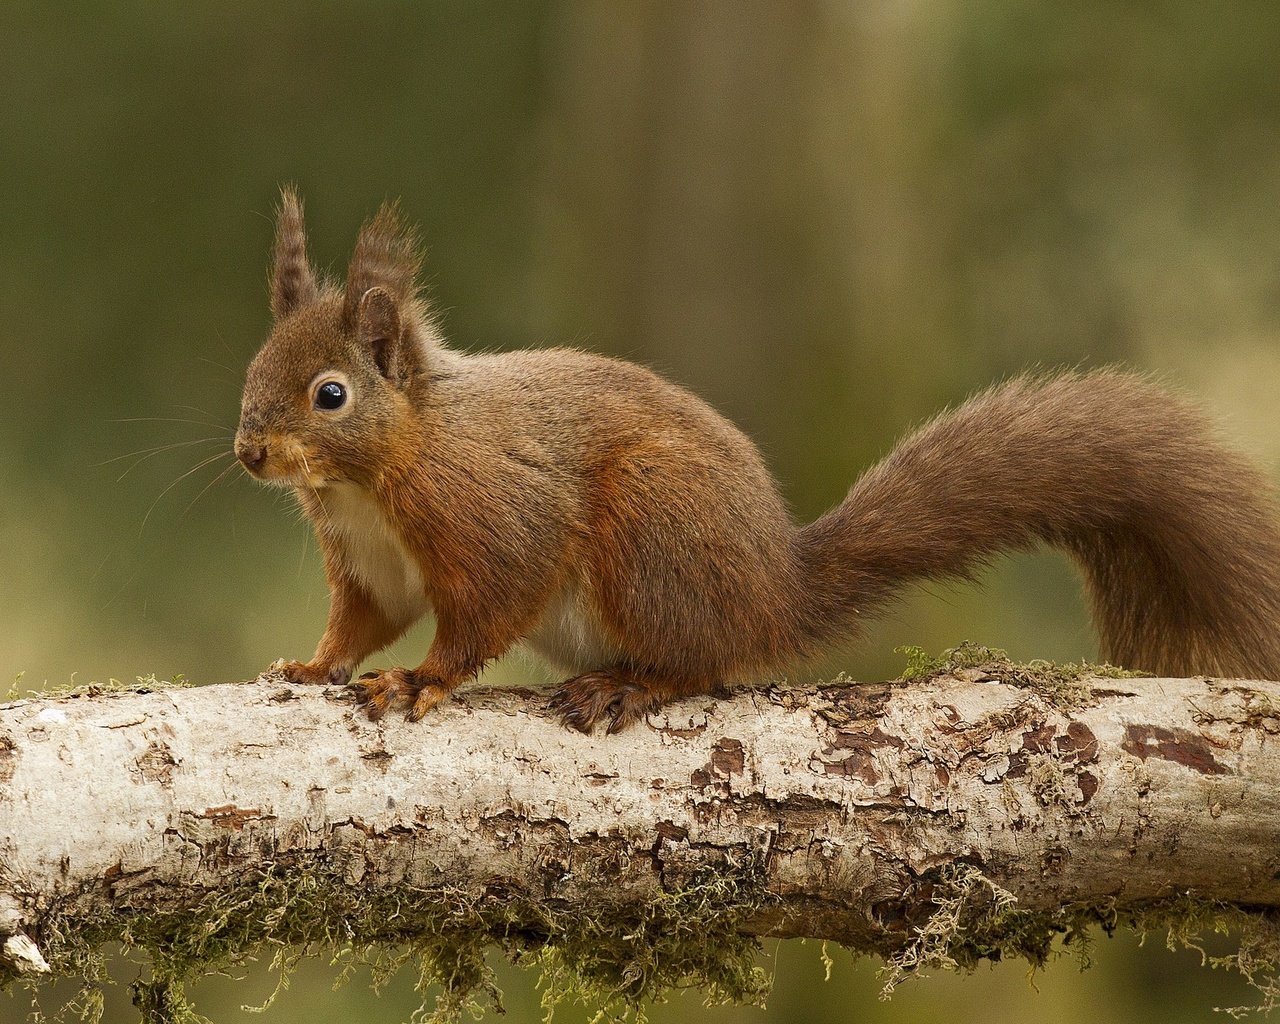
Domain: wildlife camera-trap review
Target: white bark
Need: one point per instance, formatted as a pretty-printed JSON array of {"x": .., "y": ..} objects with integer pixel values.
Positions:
[{"x": 847, "y": 797}]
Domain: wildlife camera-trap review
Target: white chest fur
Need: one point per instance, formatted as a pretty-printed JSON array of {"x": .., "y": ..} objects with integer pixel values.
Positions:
[{"x": 375, "y": 553}]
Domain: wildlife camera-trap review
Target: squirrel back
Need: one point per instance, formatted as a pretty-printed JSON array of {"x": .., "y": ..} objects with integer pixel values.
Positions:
[{"x": 634, "y": 536}]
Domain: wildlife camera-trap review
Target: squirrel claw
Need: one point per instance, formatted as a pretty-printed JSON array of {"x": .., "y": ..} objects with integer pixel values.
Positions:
[
  {"x": 378, "y": 691},
  {"x": 428, "y": 697},
  {"x": 607, "y": 696}
]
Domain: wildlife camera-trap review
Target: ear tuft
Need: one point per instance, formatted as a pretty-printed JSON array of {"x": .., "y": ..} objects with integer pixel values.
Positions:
[
  {"x": 293, "y": 282},
  {"x": 386, "y": 256}
]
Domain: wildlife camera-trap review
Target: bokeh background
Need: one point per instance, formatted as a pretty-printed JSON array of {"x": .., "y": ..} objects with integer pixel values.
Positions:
[{"x": 830, "y": 219}]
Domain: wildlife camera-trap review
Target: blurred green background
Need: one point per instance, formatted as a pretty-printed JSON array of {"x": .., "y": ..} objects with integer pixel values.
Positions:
[{"x": 830, "y": 219}]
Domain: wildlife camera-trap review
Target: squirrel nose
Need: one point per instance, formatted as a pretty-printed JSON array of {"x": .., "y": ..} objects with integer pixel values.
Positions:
[{"x": 251, "y": 455}]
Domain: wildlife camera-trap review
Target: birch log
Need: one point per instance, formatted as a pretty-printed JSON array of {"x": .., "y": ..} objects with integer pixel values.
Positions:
[{"x": 846, "y": 798}]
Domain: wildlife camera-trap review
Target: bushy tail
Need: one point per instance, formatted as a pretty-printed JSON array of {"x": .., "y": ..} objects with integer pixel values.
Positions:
[{"x": 1176, "y": 533}]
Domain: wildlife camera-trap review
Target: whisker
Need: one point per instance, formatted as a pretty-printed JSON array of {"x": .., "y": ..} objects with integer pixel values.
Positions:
[
  {"x": 220, "y": 366},
  {"x": 192, "y": 408},
  {"x": 121, "y": 589},
  {"x": 105, "y": 559},
  {"x": 157, "y": 448},
  {"x": 198, "y": 466},
  {"x": 135, "y": 465},
  {"x": 170, "y": 419},
  {"x": 205, "y": 488},
  {"x": 316, "y": 494},
  {"x": 147, "y": 453},
  {"x": 302, "y": 558},
  {"x": 236, "y": 357},
  {"x": 302, "y": 515}
]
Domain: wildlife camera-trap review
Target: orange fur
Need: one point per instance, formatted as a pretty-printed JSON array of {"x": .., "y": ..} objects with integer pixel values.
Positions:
[{"x": 633, "y": 536}]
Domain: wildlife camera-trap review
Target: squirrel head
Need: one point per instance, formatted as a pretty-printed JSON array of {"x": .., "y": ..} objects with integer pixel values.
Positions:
[{"x": 329, "y": 387}]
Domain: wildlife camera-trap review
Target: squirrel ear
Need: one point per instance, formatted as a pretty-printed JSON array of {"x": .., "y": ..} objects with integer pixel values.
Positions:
[
  {"x": 386, "y": 256},
  {"x": 293, "y": 282},
  {"x": 378, "y": 326}
]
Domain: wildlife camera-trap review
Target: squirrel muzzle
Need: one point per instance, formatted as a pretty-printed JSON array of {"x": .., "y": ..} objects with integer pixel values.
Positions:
[{"x": 252, "y": 454}]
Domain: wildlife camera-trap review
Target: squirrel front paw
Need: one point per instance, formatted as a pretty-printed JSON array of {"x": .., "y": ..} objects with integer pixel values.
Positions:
[
  {"x": 377, "y": 691},
  {"x": 312, "y": 674}
]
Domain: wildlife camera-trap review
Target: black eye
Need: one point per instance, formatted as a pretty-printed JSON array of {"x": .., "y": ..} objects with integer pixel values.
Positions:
[{"x": 331, "y": 396}]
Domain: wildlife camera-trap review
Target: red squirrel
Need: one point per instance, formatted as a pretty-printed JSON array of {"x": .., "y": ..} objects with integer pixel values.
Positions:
[{"x": 631, "y": 535}]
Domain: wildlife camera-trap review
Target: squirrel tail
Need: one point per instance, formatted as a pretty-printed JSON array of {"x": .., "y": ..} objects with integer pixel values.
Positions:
[{"x": 1176, "y": 534}]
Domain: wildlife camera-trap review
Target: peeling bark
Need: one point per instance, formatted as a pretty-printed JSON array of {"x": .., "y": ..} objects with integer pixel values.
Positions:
[{"x": 844, "y": 802}]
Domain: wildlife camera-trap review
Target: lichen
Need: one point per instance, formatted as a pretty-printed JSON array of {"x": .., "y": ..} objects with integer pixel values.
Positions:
[
  {"x": 1259, "y": 710},
  {"x": 614, "y": 959},
  {"x": 972, "y": 920},
  {"x": 977, "y": 920},
  {"x": 1187, "y": 919},
  {"x": 1063, "y": 685}
]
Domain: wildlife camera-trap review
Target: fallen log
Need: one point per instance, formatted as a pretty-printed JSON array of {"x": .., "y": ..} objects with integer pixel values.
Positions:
[{"x": 981, "y": 811}]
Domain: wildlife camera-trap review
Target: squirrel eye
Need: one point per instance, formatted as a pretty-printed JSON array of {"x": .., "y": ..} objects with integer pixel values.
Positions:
[{"x": 330, "y": 396}]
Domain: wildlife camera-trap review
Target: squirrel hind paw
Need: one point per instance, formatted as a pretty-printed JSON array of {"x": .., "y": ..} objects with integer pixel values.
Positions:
[{"x": 607, "y": 696}]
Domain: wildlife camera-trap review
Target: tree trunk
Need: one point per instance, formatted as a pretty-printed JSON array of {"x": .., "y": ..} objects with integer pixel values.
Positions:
[{"x": 977, "y": 812}]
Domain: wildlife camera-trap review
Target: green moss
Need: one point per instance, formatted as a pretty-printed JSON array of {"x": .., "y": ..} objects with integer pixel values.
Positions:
[
  {"x": 1061, "y": 684},
  {"x": 614, "y": 959},
  {"x": 142, "y": 684},
  {"x": 162, "y": 1000},
  {"x": 665, "y": 945}
]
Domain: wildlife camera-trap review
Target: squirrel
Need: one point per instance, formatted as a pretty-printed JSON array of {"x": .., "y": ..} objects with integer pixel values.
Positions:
[{"x": 630, "y": 534}]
